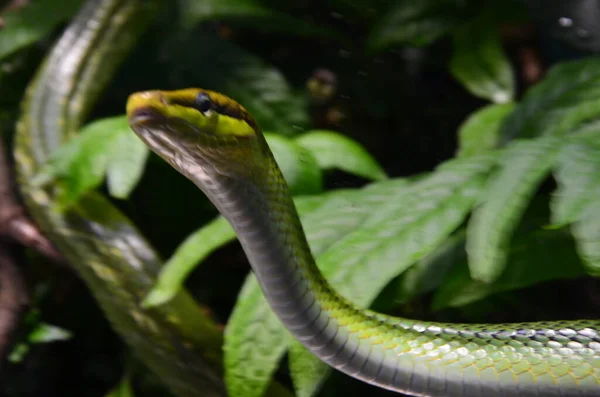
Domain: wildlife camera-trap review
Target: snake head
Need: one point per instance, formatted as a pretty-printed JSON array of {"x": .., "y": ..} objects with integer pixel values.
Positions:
[{"x": 199, "y": 132}]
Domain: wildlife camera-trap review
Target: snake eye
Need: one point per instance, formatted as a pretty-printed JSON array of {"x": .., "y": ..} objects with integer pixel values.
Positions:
[{"x": 204, "y": 104}]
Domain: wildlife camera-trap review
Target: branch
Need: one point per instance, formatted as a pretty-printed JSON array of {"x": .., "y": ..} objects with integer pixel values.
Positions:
[{"x": 14, "y": 224}]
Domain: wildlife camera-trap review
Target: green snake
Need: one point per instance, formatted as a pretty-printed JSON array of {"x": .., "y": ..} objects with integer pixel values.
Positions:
[
  {"x": 215, "y": 142},
  {"x": 176, "y": 341}
]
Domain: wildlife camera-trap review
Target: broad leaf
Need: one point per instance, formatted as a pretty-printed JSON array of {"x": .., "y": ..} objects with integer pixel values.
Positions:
[
  {"x": 523, "y": 166},
  {"x": 415, "y": 23},
  {"x": 334, "y": 150},
  {"x": 126, "y": 165},
  {"x": 578, "y": 196},
  {"x": 308, "y": 372},
  {"x": 360, "y": 250},
  {"x": 106, "y": 145},
  {"x": 479, "y": 62},
  {"x": 568, "y": 97},
  {"x": 481, "y": 131},
  {"x": 535, "y": 256},
  {"x": 577, "y": 173},
  {"x": 31, "y": 23},
  {"x": 298, "y": 165}
]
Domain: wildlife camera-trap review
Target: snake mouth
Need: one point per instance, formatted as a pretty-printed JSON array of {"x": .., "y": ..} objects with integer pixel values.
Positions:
[{"x": 145, "y": 116}]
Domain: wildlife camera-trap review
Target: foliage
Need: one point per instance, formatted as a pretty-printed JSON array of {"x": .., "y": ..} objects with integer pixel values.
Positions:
[{"x": 478, "y": 224}]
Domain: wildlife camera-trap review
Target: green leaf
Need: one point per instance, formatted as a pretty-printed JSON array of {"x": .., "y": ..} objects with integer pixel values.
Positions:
[
  {"x": 44, "y": 333},
  {"x": 479, "y": 62},
  {"x": 258, "y": 86},
  {"x": 415, "y": 23},
  {"x": 196, "y": 247},
  {"x": 81, "y": 164},
  {"x": 308, "y": 372},
  {"x": 430, "y": 272},
  {"x": 523, "y": 166},
  {"x": 334, "y": 150},
  {"x": 576, "y": 200},
  {"x": 298, "y": 165},
  {"x": 126, "y": 165},
  {"x": 480, "y": 133},
  {"x": 535, "y": 256},
  {"x": 362, "y": 239},
  {"x": 567, "y": 98},
  {"x": 31, "y": 23},
  {"x": 577, "y": 173}
]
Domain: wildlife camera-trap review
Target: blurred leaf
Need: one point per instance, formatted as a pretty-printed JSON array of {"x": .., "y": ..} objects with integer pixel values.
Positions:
[
  {"x": 430, "y": 272},
  {"x": 126, "y": 165},
  {"x": 308, "y": 372},
  {"x": 577, "y": 173},
  {"x": 362, "y": 239},
  {"x": 568, "y": 97},
  {"x": 249, "y": 13},
  {"x": 334, "y": 150},
  {"x": 578, "y": 196},
  {"x": 123, "y": 389},
  {"x": 29, "y": 24},
  {"x": 479, "y": 62},
  {"x": 258, "y": 86},
  {"x": 415, "y": 23},
  {"x": 535, "y": 256},
  {"x": 587, "y": 233},
  {"x": 523, "y": 167},
  {"x": 480, "y": 132},
  {"x": 44, "y": 333},
  {"x": 81, "y": 164},
  {"x": 298, "y": 165}
]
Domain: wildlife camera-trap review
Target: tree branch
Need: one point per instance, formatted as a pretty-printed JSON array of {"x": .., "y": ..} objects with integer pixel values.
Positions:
[{"x": 14, "y": 224}]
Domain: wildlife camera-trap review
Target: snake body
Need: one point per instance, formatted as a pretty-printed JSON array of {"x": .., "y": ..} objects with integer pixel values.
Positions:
[
  {"x": 177, "y": 341},
  {"x": 215, "y": 143}
]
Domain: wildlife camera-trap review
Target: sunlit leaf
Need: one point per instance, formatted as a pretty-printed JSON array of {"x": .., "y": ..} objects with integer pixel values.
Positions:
[
  {"x": 106, "y": 145},
  {"x": 523, "y": 167},
  {"x": 126, "y": 165},
  {"x": 480, "y": 132},
  {"x": 334, "y": 150},
  {"x": 479, "y": 62},
  {"x": 44, "y": 333},
  {"x": 28, "y": 24}
]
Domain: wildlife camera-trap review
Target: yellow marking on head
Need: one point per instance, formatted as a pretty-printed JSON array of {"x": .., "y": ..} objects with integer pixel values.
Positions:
[{"x": 226, "y": 117}]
